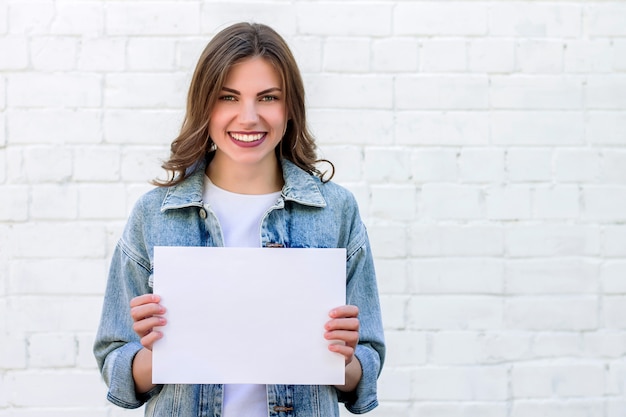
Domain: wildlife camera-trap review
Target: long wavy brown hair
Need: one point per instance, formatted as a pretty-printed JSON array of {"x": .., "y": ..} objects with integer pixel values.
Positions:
[{"x": 230, "y": 46}]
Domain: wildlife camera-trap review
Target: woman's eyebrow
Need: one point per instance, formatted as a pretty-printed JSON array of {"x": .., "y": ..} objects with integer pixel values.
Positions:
[{"x": 269, "y": 90}]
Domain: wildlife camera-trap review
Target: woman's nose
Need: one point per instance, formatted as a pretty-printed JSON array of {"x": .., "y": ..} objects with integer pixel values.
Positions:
[{"x": 248, "y": 113}]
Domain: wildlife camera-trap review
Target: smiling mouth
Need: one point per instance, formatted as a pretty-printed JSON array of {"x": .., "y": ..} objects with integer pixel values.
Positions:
[{"x": 247, "y": 137}]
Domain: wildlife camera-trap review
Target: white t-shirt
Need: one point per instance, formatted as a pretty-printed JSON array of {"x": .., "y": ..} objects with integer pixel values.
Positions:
[{"x": 240, "y": 218}]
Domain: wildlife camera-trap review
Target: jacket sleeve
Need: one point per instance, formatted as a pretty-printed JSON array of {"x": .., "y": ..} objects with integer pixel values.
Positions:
[
  {"x": 362, "y": 291},
  {"x": 116, "y": 343}
]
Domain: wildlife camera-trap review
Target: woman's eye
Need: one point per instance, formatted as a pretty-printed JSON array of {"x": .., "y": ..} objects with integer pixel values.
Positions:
[
  {"x": 227, "y": 98},
  {"x": 269, "y": 98}
]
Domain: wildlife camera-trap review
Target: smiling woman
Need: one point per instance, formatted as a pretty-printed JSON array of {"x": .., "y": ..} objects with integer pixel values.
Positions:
[{"x": 242, "y": 175}]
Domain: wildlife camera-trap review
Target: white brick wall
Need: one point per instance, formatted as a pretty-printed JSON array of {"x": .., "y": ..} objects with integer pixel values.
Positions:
[{"x": 485, "y": 142}]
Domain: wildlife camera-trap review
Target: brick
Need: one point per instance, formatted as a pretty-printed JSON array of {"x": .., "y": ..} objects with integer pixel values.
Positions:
[
  {"x": 352, "y": 127},
  {"x": 604, "y": 344},
  {"x": 552, "y": 313},
  {"x": 481, "y": 165},
  {"x": 606, "y": 92},
  {"x": 544, "y": 381},
  {"x": 388, "y": 241},
  {"x": 606, "y": 19},
  {"x": 142, "y": 127},
  {"x": 395, "y": 385},
  {"x": 347, "y": 159},
  {"x": 552, "y": 240},
  {"x": 84, "y": 356},
  {"x": 537, "y": 92},
  {"x": 614, "y": 240},
  {"x": 129, "y": 90},
  {"x": 443, "y": 55},
  {"x": 152, "y": 18},
  {"x": 619, "y": 55},
  {"x": 555, "y": 408},
  {"x": 557, "y": 345},
  {"x": 491, "y": 56},
  {"x": 53, "y": 54},
  {"x": 466, "y": 383},
  {"x": 349, "y": 91},
  {"x": 456, "y": 276},
  {"x": 606, "y": 128},
  {"x": 142, "y": 164},
  {"x": 397, "y": 202},
  {"x": 434, "y": 165},
  {"x": 51, "y": 240},
  {"x": 614, "y": 407},
  {"x": 612, "y": 277},
  {"x": 613, "y": 162},
  {"x": 96, "y": 163},
  {"x": 551, "y": 276},
  {"x": 458, "y": 202},
  {"x": 76, "y": 18},
  {"x": 4, "y": 8},
  {"x": 387, "y": 164},
  {"x": 392, "y": 276},
  {"x": 519, "y": 19},
  {"x": 14, "y": 53},
  {"x": 445, "y": 348},
  {"x": 588, "y": 56},
  {"x": 441, "y": 129},
  {"x": 616, "y": 374},
  {"x": 58, "y": 166},
  {"x": 3, "y": 164},
  {"x": 442, "y": 92},
  {"x": 346, "y": 55},
  {"x": 308, "y": 51},
  {"x": 148, "y": 54},
  {"x": 102, "y": 201},
  {"x": 529, "y": 165},
  {"x": 54, "y": 126},
  {"x": 434, "y": 18},
  {"x": 328, "y": 18},
  {"x": 3, "y": 102},
  {"x": 395, "y": 55},
  {"x": 51, "y": 350},
  {"x": 53, "y": 202},
  {"x": 605, "y": 203},
  {"x": 60, "y": 313},
  {"x": 280, "y": 16},
  {"x": 393, "y": 310},
  {"x": 31, "y": 17},
  {"x": 461, "y": 409},
  {"x": 456, "y": 240},
  {"x": 14, "y": 203},
  {"x": 455, "y": 312},
  {"x": 540, "y": 56},
  {"x": 58, "y": 383},
  {"x": 528, "y": 128},
  {"x": 39, "y": 277},
  {"x": 510, "y": 202},
  {"x": 12, "y": 350},
  {"x": 614, "y": 311},
  {"x": 102, "y": 54},
  {"x": 54, "y": 90},
  {"x": 506, "y": 346},
  {"x": 406, "y": 348},
  {"x": 556, "y": 202}
]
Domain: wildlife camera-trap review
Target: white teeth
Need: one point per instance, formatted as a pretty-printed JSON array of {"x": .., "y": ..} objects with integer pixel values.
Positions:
[{"x": 247, "y": 138}]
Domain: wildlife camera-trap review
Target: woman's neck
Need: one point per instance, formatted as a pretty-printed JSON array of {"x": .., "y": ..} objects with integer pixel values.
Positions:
[{"x": 245, "y": 179}]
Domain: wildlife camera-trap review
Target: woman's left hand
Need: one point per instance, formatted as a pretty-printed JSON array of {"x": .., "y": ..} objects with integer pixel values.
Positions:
[{"x": 343, "y": 326}]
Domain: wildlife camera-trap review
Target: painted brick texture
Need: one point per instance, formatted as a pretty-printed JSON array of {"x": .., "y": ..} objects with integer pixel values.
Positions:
[{"x": 485, "y": 142}]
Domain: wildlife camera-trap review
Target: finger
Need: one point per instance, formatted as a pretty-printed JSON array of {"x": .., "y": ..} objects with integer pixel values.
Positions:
[
  {"x": 145, "y": 326},
  {"x": 347, "y": 337},
  {"x": 146, "y": 310},
  {"x": 343, "y": 324},
  {"x": 145, "y": 299},
  {"x": 148, "y": 340},
  {"x": 346, "y": 351},
  {"x": 344, "y": 311}
]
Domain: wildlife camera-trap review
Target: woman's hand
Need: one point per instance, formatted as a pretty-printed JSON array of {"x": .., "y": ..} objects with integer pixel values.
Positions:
[
  {"x": 145, "y": 311},
  {"x": 344, "y": 327}
]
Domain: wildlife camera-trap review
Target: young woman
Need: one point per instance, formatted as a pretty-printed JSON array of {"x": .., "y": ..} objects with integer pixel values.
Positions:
[{"x": 243, "y": 174}]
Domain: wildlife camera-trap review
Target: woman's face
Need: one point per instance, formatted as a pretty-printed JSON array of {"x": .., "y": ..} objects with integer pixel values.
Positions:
[{"x": 249, "y": 118}]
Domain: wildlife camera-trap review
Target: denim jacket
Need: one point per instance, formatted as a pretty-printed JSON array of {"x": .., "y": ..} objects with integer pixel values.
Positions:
[{"x": 308, "y": 214}]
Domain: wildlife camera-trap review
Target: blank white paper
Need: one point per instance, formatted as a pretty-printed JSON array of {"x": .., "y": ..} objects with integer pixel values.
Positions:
[{"x": 247, "y": 315}]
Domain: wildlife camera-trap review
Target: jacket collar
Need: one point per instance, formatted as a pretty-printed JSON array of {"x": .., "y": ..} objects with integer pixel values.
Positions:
[{"x": 300, "y": 187}]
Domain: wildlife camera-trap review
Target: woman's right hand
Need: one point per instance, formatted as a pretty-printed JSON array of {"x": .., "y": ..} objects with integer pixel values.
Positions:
[{"x": 146, "y": 311}]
